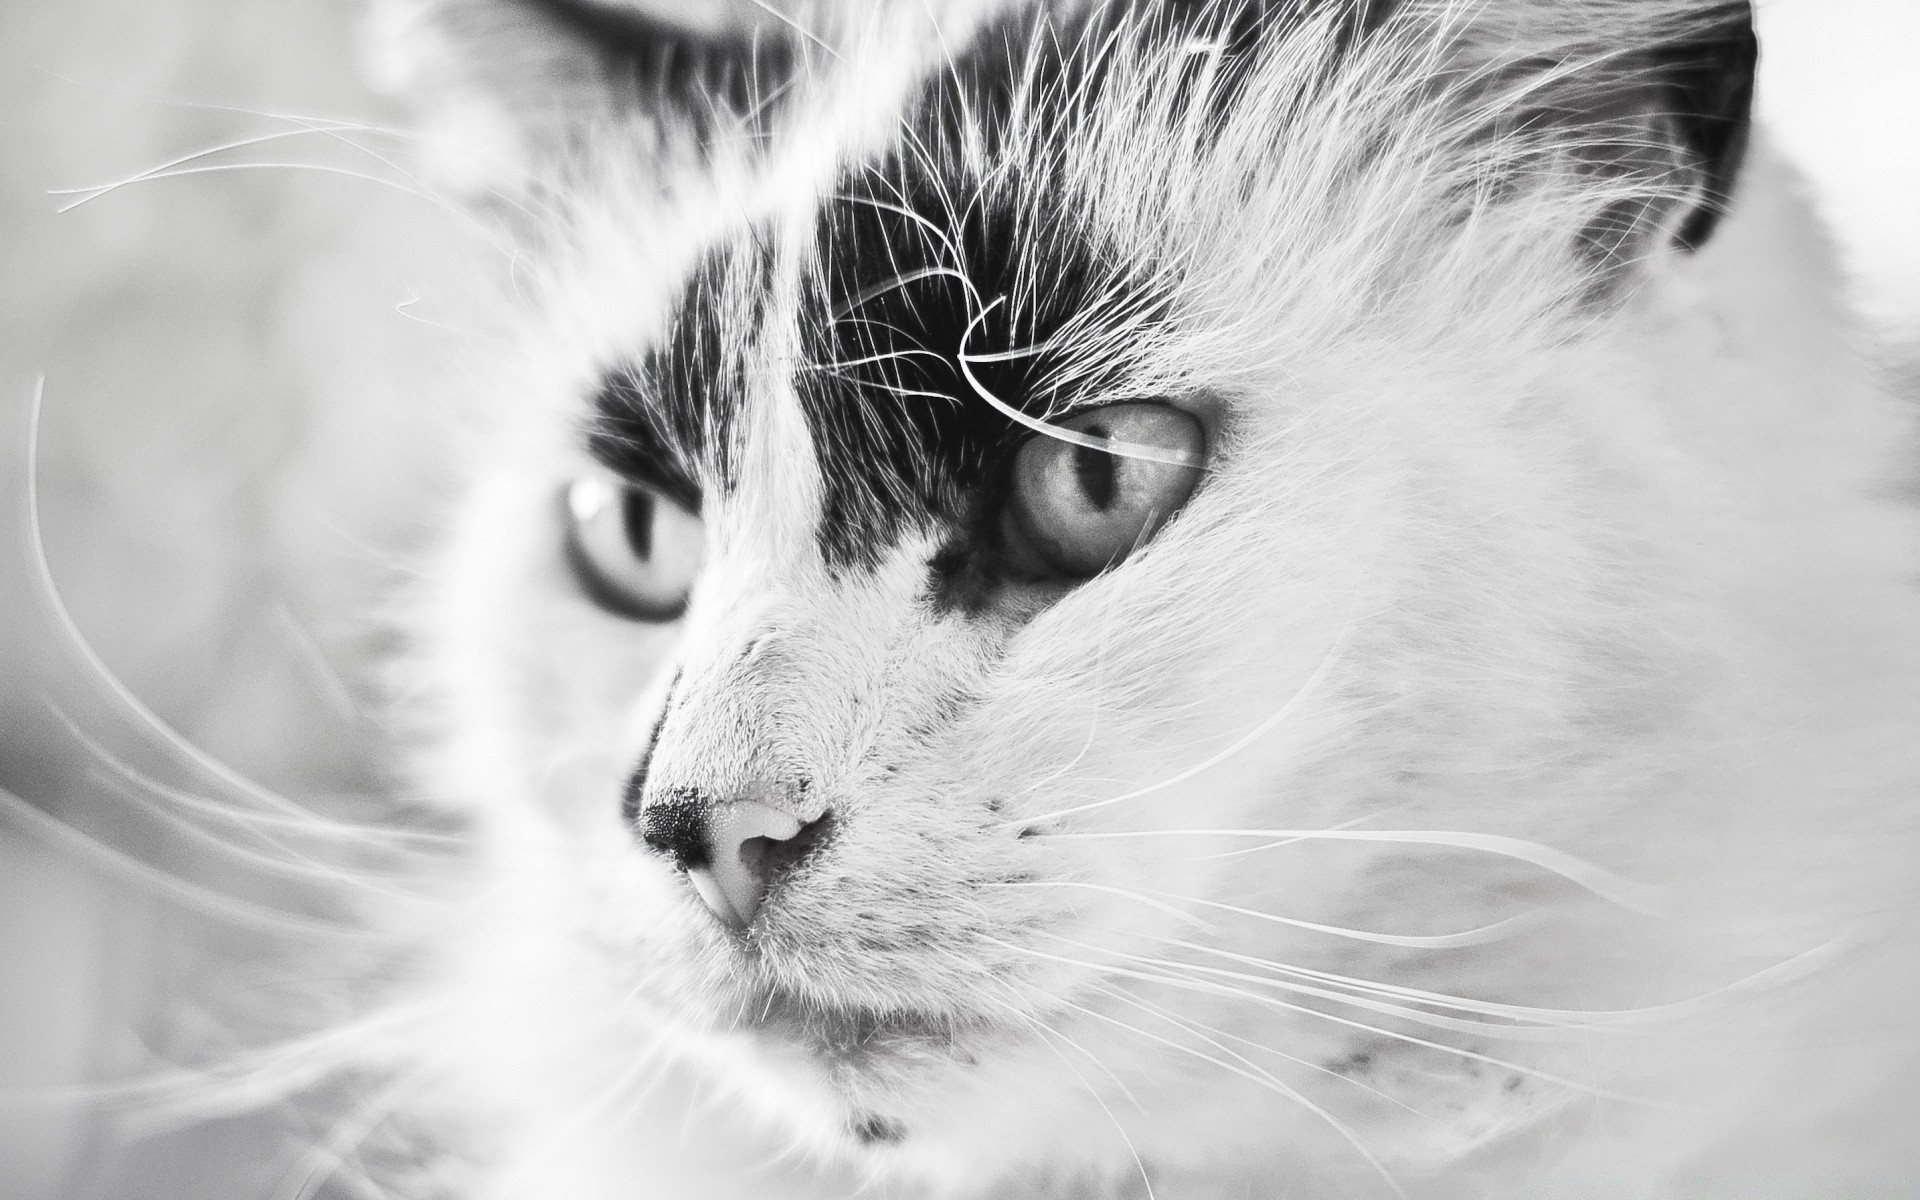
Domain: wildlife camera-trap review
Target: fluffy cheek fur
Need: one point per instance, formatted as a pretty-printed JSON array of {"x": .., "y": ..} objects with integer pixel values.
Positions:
[{"x": 1034, "y": 820}]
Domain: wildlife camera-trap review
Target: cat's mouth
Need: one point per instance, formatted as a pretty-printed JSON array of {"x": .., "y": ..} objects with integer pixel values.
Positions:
[{"x": 849, "y": 1037}]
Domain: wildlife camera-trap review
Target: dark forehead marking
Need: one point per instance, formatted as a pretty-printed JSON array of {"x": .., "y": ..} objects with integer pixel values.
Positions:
[
  {"x": 668, "y": 418},
  {"x": 902, "y": 437},
  {"x": 916, "y": 261}
]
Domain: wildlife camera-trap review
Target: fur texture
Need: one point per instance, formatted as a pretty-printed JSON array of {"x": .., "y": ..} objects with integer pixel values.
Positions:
[{"x": 1497, "y": 779}]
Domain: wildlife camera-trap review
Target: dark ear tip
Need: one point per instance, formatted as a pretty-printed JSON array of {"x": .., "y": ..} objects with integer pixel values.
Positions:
[{"x": 1712, "y": 86}]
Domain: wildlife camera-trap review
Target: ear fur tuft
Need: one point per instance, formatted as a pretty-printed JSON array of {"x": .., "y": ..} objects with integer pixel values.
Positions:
[
  {"x": 1664, "y": 89},
  {"x": 1710, "y": 79},
  {"x": 703, "y": 77},
  {"x": 528, "y": 86}
]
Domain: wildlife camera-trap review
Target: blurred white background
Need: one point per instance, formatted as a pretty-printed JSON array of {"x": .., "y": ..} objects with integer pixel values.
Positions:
[
  {"x": 237, "y": 446},
  {"x": 1841, "y": 92}
]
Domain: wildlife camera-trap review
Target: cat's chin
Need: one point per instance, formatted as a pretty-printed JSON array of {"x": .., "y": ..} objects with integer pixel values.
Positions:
[
  {"x": 870, "y": 1062},
  {"x": 852, "y": 1038},
  {"x": 876, "y": 1088}
]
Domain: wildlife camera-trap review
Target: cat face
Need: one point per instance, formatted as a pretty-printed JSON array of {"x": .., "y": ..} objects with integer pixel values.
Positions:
[{"x": 962, "y": 601}]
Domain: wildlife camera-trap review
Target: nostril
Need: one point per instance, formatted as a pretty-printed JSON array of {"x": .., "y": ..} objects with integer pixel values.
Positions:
[
  {"x": 731, "y": 852},
  {"x": 774, "y": 857}
]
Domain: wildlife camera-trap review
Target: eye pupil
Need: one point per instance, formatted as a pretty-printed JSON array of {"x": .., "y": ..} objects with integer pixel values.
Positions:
[
  {"x": 1075, "y": 508},
  {"x": 632, "y": 551},
  {"x": 636, "y": 519},
  {"x": 1093, "y": 470}
]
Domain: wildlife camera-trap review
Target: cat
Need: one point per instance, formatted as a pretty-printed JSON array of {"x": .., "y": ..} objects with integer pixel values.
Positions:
[{"x": 1298, "y": 597}]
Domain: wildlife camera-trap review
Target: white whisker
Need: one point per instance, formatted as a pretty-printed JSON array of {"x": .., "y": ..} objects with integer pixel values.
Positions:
[
  {"x": 1649, "y": 899},
  {"x": 226, "y": 909},
  {"x": 1286, "y": 711},
  {"x": 1180, "y": 914},
  {"x": 98, "y": 671},
  {"x": 1262, "y": 1078},
  {"x": 225, "y": 168},
  {"x": 289, "y": 864},
  {"x": 322, "y": 1162},
  {"x": 263, "y": 825},
  {"x": 1208, "y": 987},
  {"x": 1219, "y": 1038},
  {"x": 1172, "y": 904},
  {"x": 1365, "y": 1002}
]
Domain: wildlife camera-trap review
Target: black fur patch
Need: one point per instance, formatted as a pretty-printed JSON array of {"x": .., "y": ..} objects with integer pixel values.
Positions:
[
  {"x": 903, "y": 440},
  {"x": 668, "y": 420},
  {"x": 919, "y": 262}
]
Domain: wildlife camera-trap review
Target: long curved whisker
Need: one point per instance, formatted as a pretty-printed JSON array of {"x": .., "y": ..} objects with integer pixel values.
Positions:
[
  {"x": 618, "y": 1096},
  {"x": 321, "y": 1163},
  {"x": 1646, "y": 898},
  {"x": 1243, "y": 851},
  {"x": 333, "y": 129},
  {"x": 91, "y": 191},
  {"x": 239, "y": 1083},
  {"x": 310, "y": 824},
  {"x": 324, "y": 677},
  {"x": 1212, "y": 988},
  {"x": 1775, "y": 975},
  {"x": 1584, "y": 1021},
  {"x": 1107, "y": 445},
  {"x": 241, "y": 110},
  {"x": 1263, "y": 1078},
  {"x": 842, "y": 366},
  {"x": 1106, "y": 889},
  {"x": 1369, "y": 1003},
  {"x": 224, "y": 168},
  {"x": 926, "y": 225},
  {"x": 1170, "y": 903},
  {"x": 103, "y": 676},
  {"x": 227, "y": 909},
  {"x": 1093, "y": 1093},
  {"x": 904, "y": 279},
  {"x": 1013, "y": 1007},
  {"x": 1286, "y": 711},
  {"x": 1219, "y": 1037},
  {"x": 290, "y": 864}
]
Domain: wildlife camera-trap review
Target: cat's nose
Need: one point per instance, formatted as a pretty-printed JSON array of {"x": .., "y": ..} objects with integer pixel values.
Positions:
[{"x": 732, "y": 852}]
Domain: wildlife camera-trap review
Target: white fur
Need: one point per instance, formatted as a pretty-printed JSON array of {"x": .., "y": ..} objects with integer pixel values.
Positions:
[{"x": 1626, "y": 581}]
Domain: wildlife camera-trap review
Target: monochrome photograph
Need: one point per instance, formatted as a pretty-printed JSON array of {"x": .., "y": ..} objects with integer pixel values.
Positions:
[{"x": 959, "y": 599}]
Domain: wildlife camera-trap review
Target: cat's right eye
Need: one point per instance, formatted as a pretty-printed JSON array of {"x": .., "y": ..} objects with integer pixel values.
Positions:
[{"x": 632, "y": 551}]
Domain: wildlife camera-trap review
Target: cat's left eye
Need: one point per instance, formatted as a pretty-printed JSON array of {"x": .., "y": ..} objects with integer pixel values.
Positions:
[
  {"x": 633, "y": 552},
  {"x": 1076, "y": 509}
]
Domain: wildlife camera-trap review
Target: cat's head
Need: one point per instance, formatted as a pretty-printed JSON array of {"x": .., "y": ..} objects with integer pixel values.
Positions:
[{"x": 996, "y": 525}]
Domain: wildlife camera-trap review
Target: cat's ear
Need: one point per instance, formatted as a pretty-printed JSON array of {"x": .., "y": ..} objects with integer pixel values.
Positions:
[
  {"x": 1663, "y": 100},
  {"x": 512, "y": 92},
  {"x": 1706, "y": 86}
]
